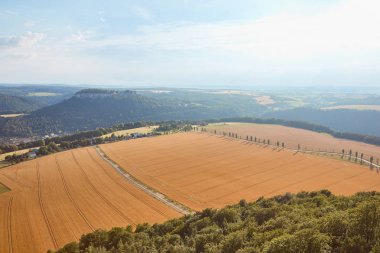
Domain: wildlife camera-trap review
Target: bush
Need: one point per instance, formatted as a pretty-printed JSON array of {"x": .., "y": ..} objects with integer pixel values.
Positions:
[{"x": 307, "y": 222}]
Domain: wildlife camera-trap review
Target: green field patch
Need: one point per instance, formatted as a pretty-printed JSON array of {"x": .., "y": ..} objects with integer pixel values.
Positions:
[
  {"x": 42, "y": 94},
  {"x": 140, "y": 130},
  {"x": 3, "y": 188}
]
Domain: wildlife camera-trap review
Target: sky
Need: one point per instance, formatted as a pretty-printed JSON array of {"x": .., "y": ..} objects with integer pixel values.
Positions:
[{"x": 190, "y": 43}]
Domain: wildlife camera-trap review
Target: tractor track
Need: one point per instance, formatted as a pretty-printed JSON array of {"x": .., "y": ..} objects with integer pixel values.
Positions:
[
  {"x": 9, "y": 217},
  {"x": 70, "y": 197},
  {"x": 42, "y": 206},
  {"x": 129, "y": 192},
  {"x": 150, "y": 191},
  {"x": 101, "y": 195}
]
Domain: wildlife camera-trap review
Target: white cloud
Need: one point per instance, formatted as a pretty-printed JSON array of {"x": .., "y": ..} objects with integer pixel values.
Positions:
[
  {"x": 142, "y": 12},
  {"x": 101, "y": 16},
  {"x": 29, "y": 24},
  {"x": 77, "y": 37},
  {"x": 347, "y": 29},
  {"x": 23, "y": 46},
  {"x": 334, "y": 44}
]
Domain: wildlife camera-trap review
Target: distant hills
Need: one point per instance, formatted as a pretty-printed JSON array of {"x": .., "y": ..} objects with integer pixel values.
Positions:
[
  {"x": 15, "y": 104},
  {"x": 88, "y": 109},
  {"x": 92, "y": 108},
  {"x": 365, "y": 122}
]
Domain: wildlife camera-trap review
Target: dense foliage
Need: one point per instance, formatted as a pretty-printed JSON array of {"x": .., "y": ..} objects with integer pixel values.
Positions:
[
  {"x": 94, "y": 108},
  {"x": 87, "y": 138},
  {"x": 312, "y": 222},
  {"x": 14, "y": 104}
]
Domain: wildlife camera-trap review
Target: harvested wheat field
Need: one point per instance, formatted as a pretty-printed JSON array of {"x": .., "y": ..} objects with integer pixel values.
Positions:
[
  {"x": 57, "y": 198},
  {"x": 201, "y": 170},
  {"x": 294, "y": 136}
]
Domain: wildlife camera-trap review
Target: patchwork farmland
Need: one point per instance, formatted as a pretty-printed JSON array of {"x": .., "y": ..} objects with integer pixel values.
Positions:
[
  {"x": 55, "y": 199},
  {"x": 201, "y": 170}
]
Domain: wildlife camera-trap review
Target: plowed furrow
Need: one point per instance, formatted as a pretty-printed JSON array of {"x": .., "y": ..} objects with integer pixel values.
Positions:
[
  {"x": 42, "y": 206},
  {"x": 75, "y": 204},
  {"x": 101, "y": 195},
  {"x": 9, "y": 216}
]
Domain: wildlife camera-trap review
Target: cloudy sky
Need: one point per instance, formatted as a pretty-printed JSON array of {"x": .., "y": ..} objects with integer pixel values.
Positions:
[{"x": 190, "y": 43}]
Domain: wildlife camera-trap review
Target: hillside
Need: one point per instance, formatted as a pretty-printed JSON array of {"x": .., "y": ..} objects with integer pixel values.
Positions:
[
  {"x": 344, "y": 120},
  {"x": 314, "y": 222},
  {"x": 15, "y": 104},
  {"x": 92, "y": 108}
]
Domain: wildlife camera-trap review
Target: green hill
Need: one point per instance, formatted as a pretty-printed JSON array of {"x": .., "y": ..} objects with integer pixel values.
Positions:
[
  {"x": 92, "y": 108},
  {"x": 315, "y": 222},
  {"x": 15, "y": 104}
]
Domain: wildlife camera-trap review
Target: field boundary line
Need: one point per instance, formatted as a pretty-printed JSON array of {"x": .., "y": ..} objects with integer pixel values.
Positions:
[
  {"x": 147, "y": 189},
  {"x": 65, "y": 186},
  {"x": 43, "y": 208},
  {"x": 312, "y": 152},
  {"x": 125, "y": 189},
  {"x": 109, "y": 203},
  {"x": 10, "y": 243}
]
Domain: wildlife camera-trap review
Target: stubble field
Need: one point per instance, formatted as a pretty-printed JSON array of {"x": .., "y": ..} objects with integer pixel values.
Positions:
[
  {"x": 201, "y": 170},
  {"x": 55, "y": 199},
  {"x": 294, "y": 136}
]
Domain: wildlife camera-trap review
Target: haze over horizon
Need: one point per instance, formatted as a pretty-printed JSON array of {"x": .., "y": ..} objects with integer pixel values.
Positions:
[{"x": 191, "y": 43}]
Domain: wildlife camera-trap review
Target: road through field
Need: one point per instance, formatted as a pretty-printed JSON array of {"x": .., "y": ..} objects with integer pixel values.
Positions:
[
  {"x": 57, "y": 198},
  {"x": 201, "y": 170}
]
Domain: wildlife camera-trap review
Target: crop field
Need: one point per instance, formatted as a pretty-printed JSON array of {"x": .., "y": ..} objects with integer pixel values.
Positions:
[
  {"x": 18, "y": 152},
  {"x": 201, "y": 170},
  {"x": 11, "y": 115},
  {"x": 294, "y": 136},
  {"x": 57, "y": 198},
  {"x": 354, "y": 107},
  {"x": 140, "y": 130},
  {"x": 43, "y": 94}
]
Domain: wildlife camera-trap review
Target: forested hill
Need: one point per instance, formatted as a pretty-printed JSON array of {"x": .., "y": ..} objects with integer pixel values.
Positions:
[
  {"x": 92, "y": 108},
  {"x": 342, "y": 120},
  {"x": 15, "y": 104},
  {"x": 315, "y": 222}
]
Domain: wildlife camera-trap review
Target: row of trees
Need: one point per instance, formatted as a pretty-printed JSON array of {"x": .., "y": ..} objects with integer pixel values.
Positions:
[
  {"x": 84, "y": 136},
  {"x": 312, "y": 222},
  {"x": 247, "y": 138},
  {"x": 88, "y": 138},
  {"x": 354, "y": 157},
  {"x": 375, "y": 140}
]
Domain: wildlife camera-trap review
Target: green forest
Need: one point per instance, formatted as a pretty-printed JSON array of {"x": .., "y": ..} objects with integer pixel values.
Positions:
[{"x": 307, "y": 222}]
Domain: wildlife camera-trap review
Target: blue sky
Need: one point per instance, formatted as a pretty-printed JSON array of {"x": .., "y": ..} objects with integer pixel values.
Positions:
[{"x": 190, "y": 43}]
